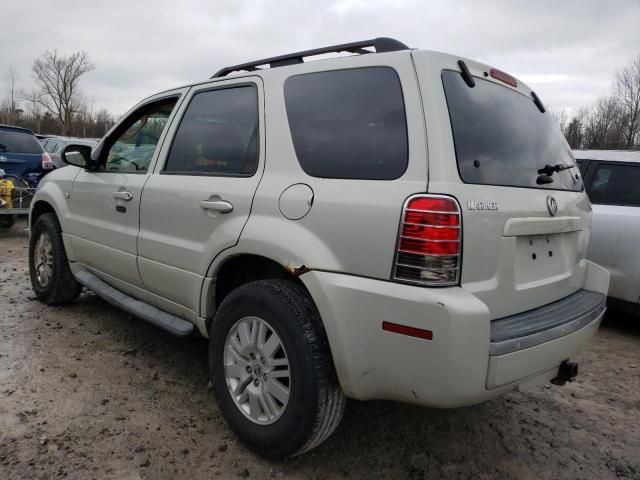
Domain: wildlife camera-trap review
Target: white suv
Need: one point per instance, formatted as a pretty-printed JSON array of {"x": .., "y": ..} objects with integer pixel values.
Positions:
[
  {"x": 395, "y": 224},
  {"x": 612, "y": 179}
]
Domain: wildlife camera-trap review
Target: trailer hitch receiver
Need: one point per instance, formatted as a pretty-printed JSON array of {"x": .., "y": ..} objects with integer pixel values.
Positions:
[{"x": 567, "y": 372}]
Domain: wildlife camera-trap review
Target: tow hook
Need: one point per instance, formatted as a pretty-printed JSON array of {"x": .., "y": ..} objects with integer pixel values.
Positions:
[{"x": 567, "y": 372}]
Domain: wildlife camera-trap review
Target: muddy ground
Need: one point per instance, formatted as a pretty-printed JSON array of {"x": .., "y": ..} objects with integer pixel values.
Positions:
[{"x": 87, "y": 391}]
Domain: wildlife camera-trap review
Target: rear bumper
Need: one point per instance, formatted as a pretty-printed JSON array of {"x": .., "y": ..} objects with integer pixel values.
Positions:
[{"x": 456, "y": 367}]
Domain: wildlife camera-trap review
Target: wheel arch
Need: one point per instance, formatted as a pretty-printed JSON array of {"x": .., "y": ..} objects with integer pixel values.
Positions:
[
  {"x": 238, "y": 269},
  {"x": 39, "y": 208}
]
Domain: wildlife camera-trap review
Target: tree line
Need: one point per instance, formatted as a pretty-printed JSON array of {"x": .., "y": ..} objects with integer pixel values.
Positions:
[
  {"x": 55, "y": 105},
  {"x": 612, "y": 122}
]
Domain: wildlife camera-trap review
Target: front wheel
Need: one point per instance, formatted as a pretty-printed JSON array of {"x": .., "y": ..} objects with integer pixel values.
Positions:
[
  {"x": 51, "y": 277},
  {"x": 272, "y": 371}
]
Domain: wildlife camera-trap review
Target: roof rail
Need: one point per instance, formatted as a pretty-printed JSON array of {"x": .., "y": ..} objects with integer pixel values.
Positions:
[{"x": 381, "y": 44}]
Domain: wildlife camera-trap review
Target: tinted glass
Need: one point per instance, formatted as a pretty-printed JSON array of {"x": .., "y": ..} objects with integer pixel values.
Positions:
[
  {"x": 218, "y": 134},
  {"x": 616, "y": 184},
  {"x": 19, "y": 142},
  {"x": 582, "y": 165},
  {"x": 501, "y": 138},
  {"x": 348, "y": 123},
  {"x": 133, "y": 150}
]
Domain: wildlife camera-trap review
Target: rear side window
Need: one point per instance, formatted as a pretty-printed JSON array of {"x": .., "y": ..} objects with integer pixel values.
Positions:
[
  {"x": 348, "y": 123},
  {"x": 616, "y": 184},
  {"x": 19, "y": 142},
  {"x": 501, "y": 138},
  {"x": 218, "y": 134}
]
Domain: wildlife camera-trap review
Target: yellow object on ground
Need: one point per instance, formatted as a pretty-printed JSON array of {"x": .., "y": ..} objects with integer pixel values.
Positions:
[{"x": 6, "y": 187}]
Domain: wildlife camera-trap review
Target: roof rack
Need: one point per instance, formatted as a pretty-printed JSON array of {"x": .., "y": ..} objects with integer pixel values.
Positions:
[{"x": 381, "y": 44}]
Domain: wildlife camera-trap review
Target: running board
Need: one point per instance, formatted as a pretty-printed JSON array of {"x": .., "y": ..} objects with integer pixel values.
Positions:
[{"x": 166, "y": 321}]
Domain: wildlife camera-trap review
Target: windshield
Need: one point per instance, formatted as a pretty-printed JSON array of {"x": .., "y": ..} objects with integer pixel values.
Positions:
[
  {"x": 19, "y": 142},
  {"x": 501, "y": 138}
]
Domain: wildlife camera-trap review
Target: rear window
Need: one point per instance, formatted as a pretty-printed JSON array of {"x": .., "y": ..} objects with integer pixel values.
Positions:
[
  {"x": 501, "y": 138},
  {"x": 616, "y": 185},
  {"x": 19, "y": 142},
  {"x": 348, "y": 123}
]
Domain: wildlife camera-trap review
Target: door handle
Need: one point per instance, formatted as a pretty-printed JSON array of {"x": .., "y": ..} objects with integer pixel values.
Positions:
[
  {"x": 123, "y": 195},
  {"x": 221, "y": 206}
]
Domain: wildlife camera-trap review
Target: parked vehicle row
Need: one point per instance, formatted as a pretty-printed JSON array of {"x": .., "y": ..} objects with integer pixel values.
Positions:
[
  {"x": 23, "y": 162},
  {"x": 297, "y": 215},
  {"x": 54, "y": 146},
  {"x": 25, "y": 158}
]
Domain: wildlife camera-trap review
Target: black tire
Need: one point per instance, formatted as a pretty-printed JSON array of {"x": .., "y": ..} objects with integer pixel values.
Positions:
[
  {"x": 62, "y": 287},
  {"x": 316, "y": 403},
  {"x": 7, "y": 221}
]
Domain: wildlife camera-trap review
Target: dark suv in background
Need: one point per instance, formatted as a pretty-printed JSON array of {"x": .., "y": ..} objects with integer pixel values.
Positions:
[{"x": 22, "y": 154}]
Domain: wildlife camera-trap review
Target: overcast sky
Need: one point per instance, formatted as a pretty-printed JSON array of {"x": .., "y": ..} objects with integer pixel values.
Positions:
[{"x": 568, "y": 51}]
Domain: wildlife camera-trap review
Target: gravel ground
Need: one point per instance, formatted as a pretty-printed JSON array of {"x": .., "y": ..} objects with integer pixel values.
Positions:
[{"x": 87, "y": 391}]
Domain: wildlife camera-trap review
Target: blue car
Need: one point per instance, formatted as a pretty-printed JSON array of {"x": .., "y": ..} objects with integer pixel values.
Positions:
[{"x": 21, "y": 153}]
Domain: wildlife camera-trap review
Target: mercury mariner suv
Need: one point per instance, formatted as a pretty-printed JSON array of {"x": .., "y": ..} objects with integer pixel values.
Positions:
[{"x": 392, "y": 224}]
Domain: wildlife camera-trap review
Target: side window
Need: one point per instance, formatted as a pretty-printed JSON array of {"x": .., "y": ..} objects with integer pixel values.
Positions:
[
  {"x": 133, "y": 148},
  {"x": 218, "y": 134},
  {"x": 348, "y": 123},
  {"x": 582, "y": 165},
  {"x": 616, "y": 184},
  {"x": 51, "y": 146}
]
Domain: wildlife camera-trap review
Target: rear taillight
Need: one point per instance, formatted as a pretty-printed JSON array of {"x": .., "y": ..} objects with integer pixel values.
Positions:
[
  {"x": 430, "y": 241},
  {"x": 47, "y": 163}
]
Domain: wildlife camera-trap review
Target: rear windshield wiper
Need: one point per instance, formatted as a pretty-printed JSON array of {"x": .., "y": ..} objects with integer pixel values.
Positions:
[
  {"x": 551, "y": 169},
  {"x": 548, "y": 170},
  {"x": 3, "y": 147}
]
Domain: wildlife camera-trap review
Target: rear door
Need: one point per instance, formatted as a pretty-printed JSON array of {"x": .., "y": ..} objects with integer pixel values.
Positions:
[
  {"x": 199, "y": 198},
  {"x": 20, "y": 152},
  {"x": 615, "y": 192},
  {"x": 524, "y": 234},
  {"x": 104, "y": 205}
]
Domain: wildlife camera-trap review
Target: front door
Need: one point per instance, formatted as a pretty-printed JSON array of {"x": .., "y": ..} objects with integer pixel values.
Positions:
[
  {"x": 104, "y": 204},
  {"x": 199, "y": 197}
]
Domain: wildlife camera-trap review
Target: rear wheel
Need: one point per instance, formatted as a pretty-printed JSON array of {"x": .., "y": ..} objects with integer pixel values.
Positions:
[
  {"x": 51, "y": 277},
  {"x": 271, "y": 369}
]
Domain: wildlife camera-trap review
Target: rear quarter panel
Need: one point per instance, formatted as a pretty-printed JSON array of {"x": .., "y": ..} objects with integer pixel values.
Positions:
[{"x": 352, "y": 225}]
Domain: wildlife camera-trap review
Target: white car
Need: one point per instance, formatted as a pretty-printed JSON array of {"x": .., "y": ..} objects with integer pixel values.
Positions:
[
  {"x": 395, "y": 224},
  {"x": 612, "y": 180}
]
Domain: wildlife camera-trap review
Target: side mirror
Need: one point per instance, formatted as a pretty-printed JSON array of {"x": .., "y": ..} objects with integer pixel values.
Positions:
[{"x": 77, "y": 155}]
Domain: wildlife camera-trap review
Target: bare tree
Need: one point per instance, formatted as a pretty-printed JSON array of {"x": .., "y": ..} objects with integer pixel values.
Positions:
[
  {"x": 628, "y": 92},
  {"x": 10, "y": 106},
  {"x": 574, "y": 132},
  {"x": 58, "y": 77},
  {"x": 603, "y": 127},
  {"x": 561, "y": 117},
  {"x": 31, "y": 98}
]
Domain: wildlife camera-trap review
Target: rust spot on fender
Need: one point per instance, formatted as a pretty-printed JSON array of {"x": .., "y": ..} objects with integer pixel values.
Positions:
[{"x": 297, "y": 271}]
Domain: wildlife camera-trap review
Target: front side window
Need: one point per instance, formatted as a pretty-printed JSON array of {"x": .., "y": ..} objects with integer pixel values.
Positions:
[
  {"x": 218, "y": 134},
  {"x": 348, "y": 123},
  {"x": 501, "y": 138},
  {"x": 616, "y": 185},
  {"x": 133, "y": 149}
]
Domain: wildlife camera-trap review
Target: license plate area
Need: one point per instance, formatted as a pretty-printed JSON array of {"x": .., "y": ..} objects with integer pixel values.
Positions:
[{"x": 542, "y": 258}]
